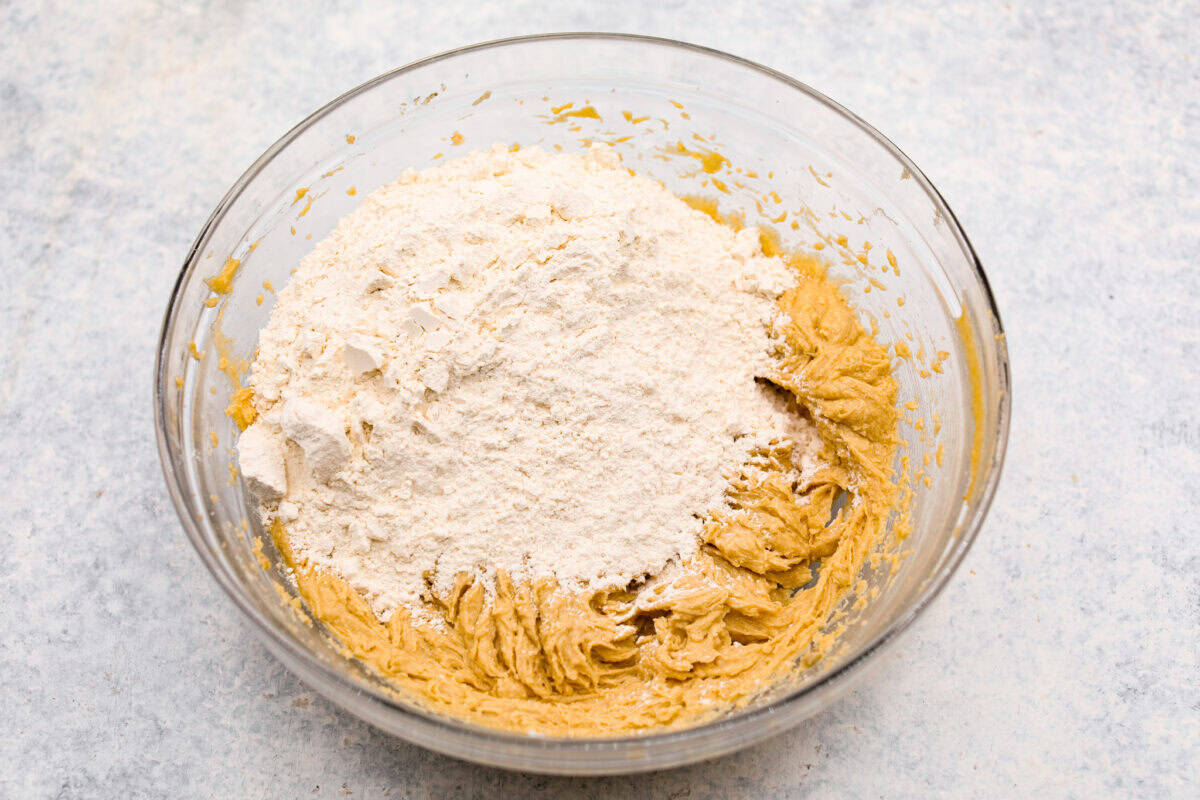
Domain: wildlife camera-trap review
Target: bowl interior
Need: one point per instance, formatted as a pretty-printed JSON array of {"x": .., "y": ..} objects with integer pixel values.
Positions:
[{"x": 736, "y": 137}]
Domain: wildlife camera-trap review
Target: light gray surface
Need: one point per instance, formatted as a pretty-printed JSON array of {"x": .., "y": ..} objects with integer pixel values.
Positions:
[{"x": 1063, "y": 657}]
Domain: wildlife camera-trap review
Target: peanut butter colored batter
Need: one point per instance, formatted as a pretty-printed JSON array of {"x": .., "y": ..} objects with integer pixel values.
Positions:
[{"x": 697, "y": 639}]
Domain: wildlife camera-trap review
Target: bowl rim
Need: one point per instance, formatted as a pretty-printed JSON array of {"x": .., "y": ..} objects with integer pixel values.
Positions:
[{"x": 969, "y": 525}]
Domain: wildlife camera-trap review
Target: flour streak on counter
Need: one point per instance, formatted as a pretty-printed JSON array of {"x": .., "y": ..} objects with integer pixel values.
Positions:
[{"x": 519, "y": 361}]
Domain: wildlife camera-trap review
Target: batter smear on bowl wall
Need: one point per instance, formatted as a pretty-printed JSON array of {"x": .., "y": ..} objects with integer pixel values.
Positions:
[{"x": 551, "y": 450}]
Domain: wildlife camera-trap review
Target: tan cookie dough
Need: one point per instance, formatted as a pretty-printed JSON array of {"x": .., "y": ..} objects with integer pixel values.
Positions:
[{"x": 697, "y": 639}]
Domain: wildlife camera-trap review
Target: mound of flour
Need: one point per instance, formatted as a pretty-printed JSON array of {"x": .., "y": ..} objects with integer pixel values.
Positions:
[{"x": 529, "y": 362}]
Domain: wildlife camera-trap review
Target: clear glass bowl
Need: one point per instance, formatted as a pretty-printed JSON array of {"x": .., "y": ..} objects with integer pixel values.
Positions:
[{"x": 905, "y": 262}]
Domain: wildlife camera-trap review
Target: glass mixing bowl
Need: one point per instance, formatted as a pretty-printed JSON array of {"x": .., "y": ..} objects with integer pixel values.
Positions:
[{"x": 706, "y": 124}]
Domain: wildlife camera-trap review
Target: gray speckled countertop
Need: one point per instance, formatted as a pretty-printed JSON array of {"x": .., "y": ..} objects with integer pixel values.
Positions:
[{"x": 1063, "y": 658}]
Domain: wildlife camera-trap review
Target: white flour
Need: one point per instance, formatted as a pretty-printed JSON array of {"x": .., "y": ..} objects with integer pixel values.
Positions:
[{"x": 520, "y": 361}]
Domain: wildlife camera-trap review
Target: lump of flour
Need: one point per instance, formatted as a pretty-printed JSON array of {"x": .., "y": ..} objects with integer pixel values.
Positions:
[{"x": 519, "y": 361}]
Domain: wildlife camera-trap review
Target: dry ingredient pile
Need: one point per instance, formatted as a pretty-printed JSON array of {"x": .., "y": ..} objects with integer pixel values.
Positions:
[{"x": 550, "y": 449}]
